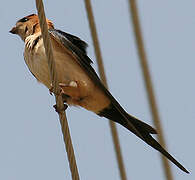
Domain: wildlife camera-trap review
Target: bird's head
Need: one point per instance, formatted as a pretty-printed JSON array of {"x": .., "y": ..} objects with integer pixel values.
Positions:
[{"x": 28, "y": 25}]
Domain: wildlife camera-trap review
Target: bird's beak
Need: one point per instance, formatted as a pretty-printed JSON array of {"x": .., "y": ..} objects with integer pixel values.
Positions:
[{"x": 14, "y": 30}]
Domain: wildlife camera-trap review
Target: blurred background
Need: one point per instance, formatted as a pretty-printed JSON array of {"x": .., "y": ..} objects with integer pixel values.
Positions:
[{"x": 32, "y": 146}]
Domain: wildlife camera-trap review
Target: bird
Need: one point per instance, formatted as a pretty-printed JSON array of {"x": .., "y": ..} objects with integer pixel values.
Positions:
[{"x": 78, "y": 81}]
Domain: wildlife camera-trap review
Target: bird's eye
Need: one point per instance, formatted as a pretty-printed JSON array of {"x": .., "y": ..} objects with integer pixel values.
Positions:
[{"x": 23, "y": 19}]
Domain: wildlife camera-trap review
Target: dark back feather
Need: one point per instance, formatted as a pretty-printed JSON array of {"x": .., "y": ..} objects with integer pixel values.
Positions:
[{"x": 74, "y": 40}]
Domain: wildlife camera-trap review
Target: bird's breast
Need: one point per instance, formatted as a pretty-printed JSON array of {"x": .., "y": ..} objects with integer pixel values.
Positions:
[{"x": 36, "y": 61}]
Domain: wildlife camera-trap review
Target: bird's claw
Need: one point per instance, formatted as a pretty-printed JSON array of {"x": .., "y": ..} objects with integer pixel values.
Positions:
[
  {"x": 60, "y": 110},
  {"x": 51, "y": 90}
]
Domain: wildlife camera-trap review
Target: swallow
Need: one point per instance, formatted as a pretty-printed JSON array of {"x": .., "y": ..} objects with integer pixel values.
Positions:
[{"x": 79, "y": 83}]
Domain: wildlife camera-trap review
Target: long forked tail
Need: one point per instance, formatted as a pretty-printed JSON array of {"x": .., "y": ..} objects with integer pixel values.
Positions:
[{"x": 140, "y": 129}]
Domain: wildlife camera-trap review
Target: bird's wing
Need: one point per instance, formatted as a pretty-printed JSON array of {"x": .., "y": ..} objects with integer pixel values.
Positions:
[
  {"x": 82, "y": 45},
  {"x": 139, "y": 128},
  {"x": 85, "y": 62}
]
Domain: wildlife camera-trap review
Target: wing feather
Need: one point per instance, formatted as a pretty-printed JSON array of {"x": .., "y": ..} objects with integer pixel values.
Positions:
[{"x": 85, "y": 62}]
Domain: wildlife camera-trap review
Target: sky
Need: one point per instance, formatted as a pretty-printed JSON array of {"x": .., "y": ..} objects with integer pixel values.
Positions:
[{"x": 32, "y": 145}]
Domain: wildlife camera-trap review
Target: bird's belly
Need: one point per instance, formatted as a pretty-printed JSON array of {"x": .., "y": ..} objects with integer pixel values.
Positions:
[
  {"x": 90, "y": 96},
  {"x": 68, "y": 70}
]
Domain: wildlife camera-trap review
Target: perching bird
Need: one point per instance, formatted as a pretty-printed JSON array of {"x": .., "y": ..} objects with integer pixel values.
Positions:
[{"x": 79, "y": 83}]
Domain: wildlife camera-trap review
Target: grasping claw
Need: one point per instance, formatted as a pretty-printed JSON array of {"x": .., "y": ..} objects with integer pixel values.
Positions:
[
  {"x": 60, "y": 110},
  {"x": 51, "y": 90}
]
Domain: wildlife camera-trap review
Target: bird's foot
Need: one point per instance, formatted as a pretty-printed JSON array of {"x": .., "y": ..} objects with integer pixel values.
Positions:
[
  {"x": 51, "y": 90},
  {"x": 60, "y": 110}
]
